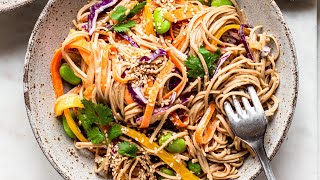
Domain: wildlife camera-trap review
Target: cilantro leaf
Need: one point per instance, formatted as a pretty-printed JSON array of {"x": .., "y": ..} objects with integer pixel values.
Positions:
[
  {"x": 136, "y": 9},
  {"x": 91, "y": 116},
  {"x": 124, "y": 27},
  {"x": 95, "y": 136},
  {"x": 210, "y": 58},
  {"x": 114, "y": 131},
  {"x": 195, "y": 68},
  {"x": 119, "y": 14},
  {"x": 98, "y": 114},
  {"x": 128, "y": 149}
]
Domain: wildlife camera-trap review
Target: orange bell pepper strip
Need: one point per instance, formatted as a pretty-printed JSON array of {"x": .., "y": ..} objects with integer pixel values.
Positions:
[
  {"x": 55, "y": 75},
  {"x": 166, "y": 157},
  {"x": 203, "y": 133},
  {"x": 148, "y": 17},
  {"x": 158, "y": 84},
  {"x": 177, "y": 122},
  {"x": 181, "y": 14},
  {"x": 181, "y": 67}
]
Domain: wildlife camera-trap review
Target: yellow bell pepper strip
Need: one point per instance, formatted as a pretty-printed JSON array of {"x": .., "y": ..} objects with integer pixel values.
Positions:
[
  {"x": 67, "y": 101},
  {"x": 166, "y": 157},
  {"x": 55, "y": 75},
  {"x": 73, "y": 126},
  {"x": 153, "y": 93},
  {"x": 224, "y": 29},
  {"x": 148, "y": 17},
  {"x": 181, "y": 14},
  {"x": 204, "y": 133}
]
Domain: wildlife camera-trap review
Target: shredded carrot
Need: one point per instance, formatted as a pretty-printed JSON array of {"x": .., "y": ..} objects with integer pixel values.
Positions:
[
  {"x": 181, "y": 67},
  {"x": 115, "y": 75},
  {"x": 177, "y": 121},
  {"x": 204, "y": 133},
  {"x": 104, "y": 67},
  {"x": 166, "y": 157},
  {"x": 88, "y": 92},
  {"x": 171, "y": 32},
  {"x": 181, "y": 14},
  {"x": 127, "y": 97},
  {"x": 83, "y": 47},
  {"x": 55, "y": 75},
  {"x": 179, "y": 39},
  {"x": 148, "y": 17},
  {"x": 158, "y": 84}
]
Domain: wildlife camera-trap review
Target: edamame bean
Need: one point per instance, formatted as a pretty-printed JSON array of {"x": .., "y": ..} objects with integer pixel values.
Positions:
[
  {"x": 168, "y": 171},
  {"x": 221, "y": 3},
  {"x": 68, "y": 75},
  {"x": 175, "y": 146},
  {"x": 67, "y": 128},
  {"x": 161, "y": 24},
  {"x": 194, "y": 167}
]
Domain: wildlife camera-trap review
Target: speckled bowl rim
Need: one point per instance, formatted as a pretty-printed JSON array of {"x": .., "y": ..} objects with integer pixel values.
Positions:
[
  {"x": 16, "y": 5},
  {"x": 65, "y": 176}
]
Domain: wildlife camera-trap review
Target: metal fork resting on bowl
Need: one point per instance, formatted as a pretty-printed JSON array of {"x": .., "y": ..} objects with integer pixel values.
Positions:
[{"x": 250, "y": 125}]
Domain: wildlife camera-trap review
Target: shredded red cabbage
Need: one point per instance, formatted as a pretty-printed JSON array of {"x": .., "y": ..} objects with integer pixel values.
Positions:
[
  {"x": 129, "y": 39},
  {"x": 221, "y": 61},
  {"x": 155, "y": 55},
  {"x": 94, "y": 12},
  {"x": 137, "y": 95},
  {"x": 244, "y": 41},
  {"x": 159, "y": 112},
  {"x": 174, "y": 81}
]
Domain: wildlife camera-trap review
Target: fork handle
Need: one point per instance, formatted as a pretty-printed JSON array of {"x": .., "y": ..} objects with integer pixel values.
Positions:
[{"x": 258, "y": 147}]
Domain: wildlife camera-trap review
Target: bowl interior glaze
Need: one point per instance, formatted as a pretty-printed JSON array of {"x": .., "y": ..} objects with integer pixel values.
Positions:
[{"x": 53, "y": 26}]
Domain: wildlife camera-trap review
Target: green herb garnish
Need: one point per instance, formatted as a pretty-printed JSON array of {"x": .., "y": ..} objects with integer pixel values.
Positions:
[
  {"x": 119, "y": 14},
  {"x": 194, "y": 66},
  {"x": 124, "y": 27},
  {"x": 114, "y": 131},
  {"x": 127, "y": 149},
  {"x": 93, "y": 115}
]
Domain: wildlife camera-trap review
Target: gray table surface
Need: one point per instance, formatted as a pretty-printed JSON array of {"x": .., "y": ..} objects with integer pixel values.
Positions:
[{"x": 21, "y": 157}]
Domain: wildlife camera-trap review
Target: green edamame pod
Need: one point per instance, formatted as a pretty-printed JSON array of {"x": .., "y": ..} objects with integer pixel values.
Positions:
[
  {"x": 67, "y": 128},
  {"x": 168, "y": 171},
  {"x": 161, "y": 24},
  {"x": 218, "y": 3},
  {"x": 68, "y": 75},
  {"x": 175, "y": 146},
  {"x": 194, "y": 167}
]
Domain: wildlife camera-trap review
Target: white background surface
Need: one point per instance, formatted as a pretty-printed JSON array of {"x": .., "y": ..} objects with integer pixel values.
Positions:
[{"x": 21, "y": 157}]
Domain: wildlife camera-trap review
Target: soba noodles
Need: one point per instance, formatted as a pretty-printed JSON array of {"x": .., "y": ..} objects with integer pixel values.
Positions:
[{"x": 167, "y": 80}]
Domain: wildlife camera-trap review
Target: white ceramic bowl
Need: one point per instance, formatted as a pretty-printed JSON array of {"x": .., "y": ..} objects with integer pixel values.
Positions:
[
  {"x": 53, "y": 26},
  {"x": 7, "y": 5}
]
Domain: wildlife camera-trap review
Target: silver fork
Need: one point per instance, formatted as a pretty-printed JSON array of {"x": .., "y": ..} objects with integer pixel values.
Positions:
[{"x": 250, "y": 125}]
